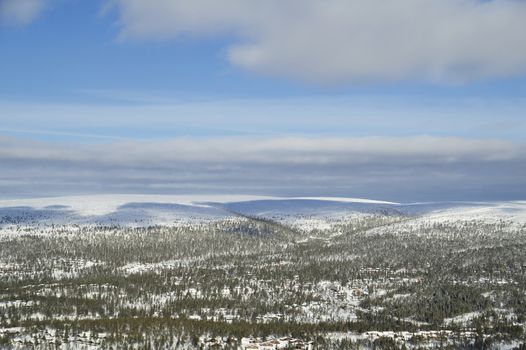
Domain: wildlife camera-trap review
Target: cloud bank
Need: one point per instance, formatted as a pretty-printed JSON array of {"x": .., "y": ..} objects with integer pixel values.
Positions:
[
  {"x": 340, "y": 41},
  {"x": 411, "y": 168},
  {"x": 20, "y": 12}
]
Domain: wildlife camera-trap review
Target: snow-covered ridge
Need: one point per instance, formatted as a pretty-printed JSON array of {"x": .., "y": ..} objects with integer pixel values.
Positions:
[
  {"x": 304, "y": 212},
  {"x": 104, "y": 204},
  {"x": 347, "y": 200}
]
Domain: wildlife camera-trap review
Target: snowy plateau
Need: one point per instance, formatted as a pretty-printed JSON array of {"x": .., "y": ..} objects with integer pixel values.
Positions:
[{"x": 256, "y": 272}]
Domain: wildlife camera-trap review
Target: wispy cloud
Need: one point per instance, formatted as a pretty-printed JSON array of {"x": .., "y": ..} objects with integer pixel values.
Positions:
[
  {"x": 62, "y": 133},
  {"x": 20, "y": 12},
  {"x": 292, "y": 116}
]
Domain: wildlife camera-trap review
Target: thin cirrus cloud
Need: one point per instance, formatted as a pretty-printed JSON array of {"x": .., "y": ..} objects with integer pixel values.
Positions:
[
  {"x": 364, "y": 115},
  {"x": 339, "y": 41},
  {"x": 408, "y": 168},
  {"x": 20, "y": 12}
]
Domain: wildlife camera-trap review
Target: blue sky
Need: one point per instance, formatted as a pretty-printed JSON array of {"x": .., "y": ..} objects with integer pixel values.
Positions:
[{"x": 80, "y": 75}]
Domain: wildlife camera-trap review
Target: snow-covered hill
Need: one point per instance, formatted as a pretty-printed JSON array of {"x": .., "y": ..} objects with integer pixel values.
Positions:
[
  {"x": 122, "y": 210},
  {"x": 325, "y": 213},
  {"x": 303, "y": 212}
]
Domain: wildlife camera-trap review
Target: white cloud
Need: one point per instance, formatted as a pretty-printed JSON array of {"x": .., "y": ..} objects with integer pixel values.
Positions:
[
  {"x": 410, "y": 168},
  {"x": 20, "y": 12},
  {"x": 274, "y": 151},
  {"x": 334, "y": 41}
]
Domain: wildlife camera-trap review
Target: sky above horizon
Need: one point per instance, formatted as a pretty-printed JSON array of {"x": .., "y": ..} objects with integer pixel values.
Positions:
[{"x": 410, "y": 100}]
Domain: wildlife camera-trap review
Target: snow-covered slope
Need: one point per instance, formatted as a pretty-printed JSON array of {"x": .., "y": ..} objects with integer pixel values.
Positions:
[
  {"x": 465, "y": 211},
  {"x": 303, "y": 212},
  {"x": 308, "y": 214},
  {"x": 104, "y": 204},
  {"x": 124, "y": 210},
  {"x": 324, "y": 213}
]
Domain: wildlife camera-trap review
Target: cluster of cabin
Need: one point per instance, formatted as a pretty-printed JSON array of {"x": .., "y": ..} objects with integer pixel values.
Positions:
[{"x": 275, "y": 343}]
